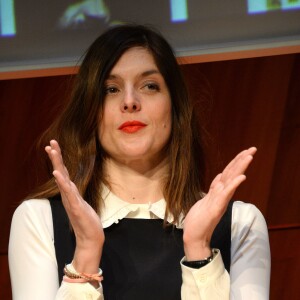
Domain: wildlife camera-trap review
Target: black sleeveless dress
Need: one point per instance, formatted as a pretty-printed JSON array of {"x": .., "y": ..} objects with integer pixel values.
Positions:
[{"x": 141, "y": 258}]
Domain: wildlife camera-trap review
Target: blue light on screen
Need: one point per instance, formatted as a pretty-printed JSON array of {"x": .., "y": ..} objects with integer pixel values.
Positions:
[
  {"x": 262, "y": 6},
  {"x": 179, "y": 10},
  {"x": 7, "y": 18}
]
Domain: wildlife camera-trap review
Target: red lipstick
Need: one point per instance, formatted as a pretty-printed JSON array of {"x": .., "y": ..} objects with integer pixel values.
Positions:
[{"x": 132, "y": 126}]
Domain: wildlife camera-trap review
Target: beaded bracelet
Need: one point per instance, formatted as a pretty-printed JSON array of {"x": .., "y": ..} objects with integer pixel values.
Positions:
[
  {"x": 73, "y": 280},
  {"x": 74, "y": 276}
]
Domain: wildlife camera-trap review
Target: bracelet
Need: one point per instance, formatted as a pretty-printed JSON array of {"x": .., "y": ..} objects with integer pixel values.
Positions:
[
  {"x": 74, "y": 276},
  {"x": 197, "y": 264},
  {"x": 73, "y": 280}
]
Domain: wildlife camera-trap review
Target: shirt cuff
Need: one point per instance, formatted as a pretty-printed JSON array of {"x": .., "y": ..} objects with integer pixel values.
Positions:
[
  {"x": 79, "y": 291},
  {"x": 209, "y": 281}
]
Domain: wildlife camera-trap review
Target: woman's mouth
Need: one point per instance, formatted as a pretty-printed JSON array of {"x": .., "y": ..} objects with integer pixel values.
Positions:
[{"x": 132, "y": 126}]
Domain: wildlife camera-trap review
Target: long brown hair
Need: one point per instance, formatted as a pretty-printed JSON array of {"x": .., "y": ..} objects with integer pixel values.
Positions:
[{"x": 76, "y": 128}]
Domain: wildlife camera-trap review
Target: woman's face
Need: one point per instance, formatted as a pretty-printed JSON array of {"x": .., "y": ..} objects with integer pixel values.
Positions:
[{"x": 137, "y": 120}]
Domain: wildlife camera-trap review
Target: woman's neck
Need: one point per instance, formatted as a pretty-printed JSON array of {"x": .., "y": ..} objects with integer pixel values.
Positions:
[{"x": 136, "y": 182}]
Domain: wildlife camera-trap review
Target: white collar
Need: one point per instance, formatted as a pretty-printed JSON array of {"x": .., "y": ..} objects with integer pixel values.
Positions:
[{"x": 115, "y": 209}]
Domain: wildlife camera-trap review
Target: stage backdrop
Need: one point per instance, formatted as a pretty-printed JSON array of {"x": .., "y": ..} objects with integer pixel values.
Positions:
[{"x": 242, "y": 103}]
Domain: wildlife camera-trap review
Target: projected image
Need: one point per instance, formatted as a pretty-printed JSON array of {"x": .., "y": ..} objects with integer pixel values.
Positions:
[
  {"x": 255, "y": 6},
  {"x": 7, "y": 18},
  {"x": 82, "y": 11},
  {"x": 38, "y": 33},
  {"x": 60, "y": 30},
  {"x": 84, "y": 14},
  {"x": 77, "y": 14},
  {"x": 179, "y": 10}
]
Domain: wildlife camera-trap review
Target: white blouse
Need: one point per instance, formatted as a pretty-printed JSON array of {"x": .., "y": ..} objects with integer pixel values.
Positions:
[{"x": 33, "y": 266}]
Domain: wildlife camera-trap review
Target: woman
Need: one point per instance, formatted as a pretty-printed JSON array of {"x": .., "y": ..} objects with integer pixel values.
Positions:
[{"x": 128, "y": 149}]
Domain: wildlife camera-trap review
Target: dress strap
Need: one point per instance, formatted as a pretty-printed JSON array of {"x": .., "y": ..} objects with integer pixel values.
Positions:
[
  {"x": 221, "y": 237},
  {"x": 64, "y": 238}
]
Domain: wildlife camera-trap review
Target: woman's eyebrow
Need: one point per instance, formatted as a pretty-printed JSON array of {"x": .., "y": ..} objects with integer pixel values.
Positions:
[
  {"x": 143, "y": 74},
  {"x": 150, "y": 72}
]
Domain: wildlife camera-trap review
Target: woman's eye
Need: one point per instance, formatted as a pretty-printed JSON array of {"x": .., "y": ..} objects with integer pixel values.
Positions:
[
  {"x": 111, "y": 90},
  {"x": 152, "y": 86}
]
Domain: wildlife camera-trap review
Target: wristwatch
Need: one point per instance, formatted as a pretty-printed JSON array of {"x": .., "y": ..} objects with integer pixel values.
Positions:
[{"x": 197, "y": 264}]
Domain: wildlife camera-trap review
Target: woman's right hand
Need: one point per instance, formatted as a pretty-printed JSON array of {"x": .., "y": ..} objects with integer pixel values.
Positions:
[{"x": 84, "y": 220}]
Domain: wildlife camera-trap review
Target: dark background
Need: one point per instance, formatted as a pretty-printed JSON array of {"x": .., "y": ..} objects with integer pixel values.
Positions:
[{"x": 243, "y": 102}]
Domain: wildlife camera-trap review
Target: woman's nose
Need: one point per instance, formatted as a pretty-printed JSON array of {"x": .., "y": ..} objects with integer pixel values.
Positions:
[{"x": 130, "y": 103}]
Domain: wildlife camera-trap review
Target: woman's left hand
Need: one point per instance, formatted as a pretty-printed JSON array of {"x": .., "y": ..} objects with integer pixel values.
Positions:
[{"x": 205, "y": 214}]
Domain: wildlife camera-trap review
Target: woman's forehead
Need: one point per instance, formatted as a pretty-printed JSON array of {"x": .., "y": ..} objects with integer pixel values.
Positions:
[{"x": 136, "y": 59}]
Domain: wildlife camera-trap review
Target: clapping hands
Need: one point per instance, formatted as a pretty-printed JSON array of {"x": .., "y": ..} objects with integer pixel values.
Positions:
[
  {"x": 205, "y": 214},
  {"x": 84, "y": 220}
]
